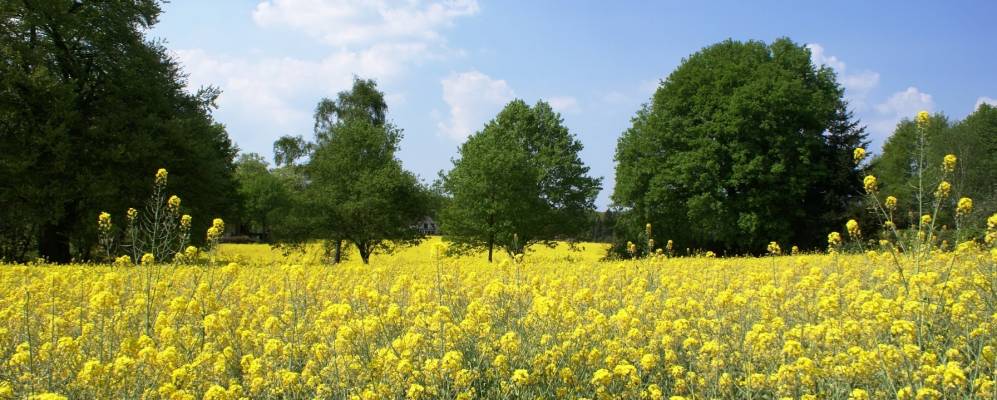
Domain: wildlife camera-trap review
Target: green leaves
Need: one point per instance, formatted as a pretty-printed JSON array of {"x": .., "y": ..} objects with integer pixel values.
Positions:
[
  {"x": 354, "y": 188},
  {"x": 518, "y": 181},
  {"x": 719, "y": 158},
  {"x": 89, "y": 110}
]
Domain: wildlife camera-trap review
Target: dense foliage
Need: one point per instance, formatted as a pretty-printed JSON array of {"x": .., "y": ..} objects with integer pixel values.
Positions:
[
  {"x": 973, "y": 141},
  {"x": 352, "y": 188},
  {"x": 516, "y": 182},
  {"x": 89, "y": 109},
  {"x": 742, "y": 144}
]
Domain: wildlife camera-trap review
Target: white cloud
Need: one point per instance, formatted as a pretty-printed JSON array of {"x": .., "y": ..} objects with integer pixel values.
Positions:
[
  {"x": 900, "y": 105},
  {"x": 906, "y": 103},
  {"x": 473, "y": 98},
  {"x": 820, "y": 58},
  {"x": 360, "y": 22},
  {"x": 984, "y": 99},
  {"x": 265, "y": 96},
  {"x": 857, "y": 85},
  {"x": 564, "y": 104},
  {"x": 275, "y": 95}
]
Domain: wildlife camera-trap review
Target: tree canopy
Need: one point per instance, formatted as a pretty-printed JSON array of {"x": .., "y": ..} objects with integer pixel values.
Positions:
[
  {"x": 744, "y": 143},
  {"x": 353, "y": 186},
  {"x": 516, "y": 182},
  {"x": 973, "y": 141},
  {"x": 89, "y": 110}
]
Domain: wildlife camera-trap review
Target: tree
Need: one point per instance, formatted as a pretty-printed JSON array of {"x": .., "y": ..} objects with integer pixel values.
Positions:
[
  {"x": 904, "y": 152},
  {"x": 89, "y": 110},
  {"x": 353, "y": 186},
  {"x": 518, "y": 181},
  {"x": 744, "y": 143},
  {"x": 261, "y": 193},
  {"x": 972, "y": 140},
  {"x": 287, "y": 150}
]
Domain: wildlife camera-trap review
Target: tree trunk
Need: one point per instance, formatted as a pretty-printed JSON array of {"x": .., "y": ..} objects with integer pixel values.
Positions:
[
  {"x": 53, "y": 244},
  {"x": 364, "y": 253},
  {"x": 491, "y": 245},
  {"x": 339, "y": 251}
]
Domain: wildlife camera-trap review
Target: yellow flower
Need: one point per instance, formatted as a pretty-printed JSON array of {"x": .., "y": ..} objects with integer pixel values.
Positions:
[
  {"x": 438, "y": 250},
  {"x": 47, "y": 396},
  {"x": 173, "y": 203},
  {"x": 161, "y": 176},
  {"x": 944, "y": 188},
  {"x": 104, "y": 222},
  {"x": 453, "y": 361},
  {"x": 953, "y": 377},
  {"x": 602, "y": 377},
  {"x": 648, "y": 361},
  {"x": 858, "y": 394},
  {"x": 890, "y": 203},
  {"x": 853, "y": 228},
  {"x": 858, "y": 154},
  {"x": 948, "y": 163},
  {"x": 123, "y": 261},
  {"x": 833, "y": 239},
  {"x": 132, "y": 214},
  {"x": 216, "y": 230},
  {"x": 647, "y": 229},
  {"x": 774, "y": 249},
  {"x": 870, "y": 184},
  {"x": 923, "y": 118},
  {"x": 185, "y": 221},
  {"x": 925, "y": 219},
  {"x": 964, "y": 206},
  {"x": 148, "y": 259},
  {"x": 415, "y": 391},
  {"x": 520, "y": 377}
]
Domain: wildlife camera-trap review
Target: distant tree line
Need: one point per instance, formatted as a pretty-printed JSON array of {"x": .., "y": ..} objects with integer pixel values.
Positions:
[
  {"x": 744, "y": 143},
  {"x": 972, "y": 140}
]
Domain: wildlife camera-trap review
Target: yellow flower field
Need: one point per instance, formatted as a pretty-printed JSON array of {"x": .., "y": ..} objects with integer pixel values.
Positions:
[{"x": 560, "y": 324}]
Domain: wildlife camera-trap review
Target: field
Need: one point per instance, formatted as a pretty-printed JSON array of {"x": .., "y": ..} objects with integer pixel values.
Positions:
[{"x": 558, "y": 324}]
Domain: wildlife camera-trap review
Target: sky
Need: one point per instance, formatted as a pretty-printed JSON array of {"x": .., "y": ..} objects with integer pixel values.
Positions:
[{"x": 447, "y": 67}]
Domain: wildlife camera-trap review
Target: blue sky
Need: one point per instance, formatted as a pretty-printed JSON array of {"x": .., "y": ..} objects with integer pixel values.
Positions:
[{"x": 448, "y": 66}]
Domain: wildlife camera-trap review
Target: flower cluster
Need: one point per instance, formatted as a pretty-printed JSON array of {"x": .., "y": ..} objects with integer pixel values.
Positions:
[{"x": 216, "y": 230}]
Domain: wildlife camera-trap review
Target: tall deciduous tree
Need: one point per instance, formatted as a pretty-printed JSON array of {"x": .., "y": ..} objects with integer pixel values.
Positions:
[
  {"x": 518, "y": 181},
  {"x": 89, "y": 110},
  {"x": 354, "y": 187},
  {"x": 744, "y": 143}
]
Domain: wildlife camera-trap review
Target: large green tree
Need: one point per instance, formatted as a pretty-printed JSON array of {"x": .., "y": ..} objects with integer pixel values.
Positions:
[
  {"x": 518, "y": 181},
  {"x": 744, "y": 143},
  {"x": 353, "y": 187},
  {"x": 89, "y": 110}
]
